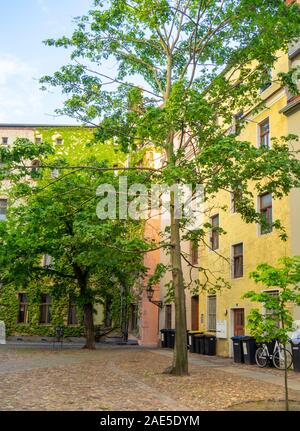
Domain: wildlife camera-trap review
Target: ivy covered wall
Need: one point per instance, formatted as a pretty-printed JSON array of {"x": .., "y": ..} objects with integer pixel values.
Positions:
[
  {"x": 76, "y": 143},
  {"x": 9, "y": 311}
]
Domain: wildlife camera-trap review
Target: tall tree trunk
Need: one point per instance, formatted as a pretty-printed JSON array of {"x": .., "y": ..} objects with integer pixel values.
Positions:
[
  {"x": 88, "y": 308},
  {"x": 180, "y": 357},
  {"x": 124, "y": 316},
  {"x": 89, "y": 326},
  {"x": 286, "y": 388}
]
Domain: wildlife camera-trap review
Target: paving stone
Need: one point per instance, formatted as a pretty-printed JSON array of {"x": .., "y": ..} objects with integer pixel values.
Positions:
[{"x": 120, "y": 378}]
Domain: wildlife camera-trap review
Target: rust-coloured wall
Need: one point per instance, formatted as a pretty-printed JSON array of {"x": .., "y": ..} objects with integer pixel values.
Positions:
[{"x": 149, "y": 333}]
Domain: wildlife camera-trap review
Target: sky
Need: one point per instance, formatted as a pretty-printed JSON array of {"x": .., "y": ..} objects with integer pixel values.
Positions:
[{"x": 24, "y": 58}]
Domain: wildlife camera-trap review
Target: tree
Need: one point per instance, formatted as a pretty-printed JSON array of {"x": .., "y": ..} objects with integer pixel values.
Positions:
[
  {"x": 196, "y": 62},
  {"x": 279, "y": 321},
  {"x": 91, "y": 258}
]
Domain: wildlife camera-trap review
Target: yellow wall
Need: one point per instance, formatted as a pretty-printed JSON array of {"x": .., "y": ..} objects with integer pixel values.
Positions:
[
  {"x": 293, "y": 123},
  {"x": 257, "y": 248}
]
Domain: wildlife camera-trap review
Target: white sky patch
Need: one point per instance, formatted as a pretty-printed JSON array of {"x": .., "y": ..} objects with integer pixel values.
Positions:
[
  {"x": 24, "y": 58},
  {"x": 11, "y": 67},
  {"x": 43, "y": 6},
  {"x": 19, "y": 90}
]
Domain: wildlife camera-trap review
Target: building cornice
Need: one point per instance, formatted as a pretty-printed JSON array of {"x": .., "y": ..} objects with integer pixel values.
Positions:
[
  {"x": 42, "y": 126},
  {"x": 291, "y": 107}
]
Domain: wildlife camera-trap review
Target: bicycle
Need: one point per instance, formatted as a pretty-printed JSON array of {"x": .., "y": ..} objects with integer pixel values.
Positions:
[{"x": 263, "y": 356}]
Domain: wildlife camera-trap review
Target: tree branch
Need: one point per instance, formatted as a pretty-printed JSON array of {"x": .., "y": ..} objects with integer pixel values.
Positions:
[{"x": 50, "y": 272}]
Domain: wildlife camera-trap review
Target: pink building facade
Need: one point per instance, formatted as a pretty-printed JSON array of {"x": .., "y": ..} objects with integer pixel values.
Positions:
[{"x": 149, "y": 312}]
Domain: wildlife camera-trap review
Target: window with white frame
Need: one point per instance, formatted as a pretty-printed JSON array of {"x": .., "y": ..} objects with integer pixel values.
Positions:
[
  {"x": 35, "y": 164},
  {"x": 266, "y": 211},
  {"x": 214, "y": 234},
  {"x": 232, "y": 202},
  {"x": 268, "y": 80},
  {"x": 48, "y": 261},
  {"x": 116, "y": 170},
  {"x": 4, "y": 140},
  {"x": 55, "y": 173},
  {"x": 264, "y": 133},
  {"x": 237, "y": 260},
  {"x": 45, "y": 309},
  {"x": 23, "y": 316},
  {"x": 235, "y": 196},
  {"x": 211, "y": 313},
  {"x": 3, "y": 209}
]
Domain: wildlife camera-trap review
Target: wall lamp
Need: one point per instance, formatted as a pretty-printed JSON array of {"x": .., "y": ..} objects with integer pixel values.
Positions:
[{"x": 150, "y": 293}]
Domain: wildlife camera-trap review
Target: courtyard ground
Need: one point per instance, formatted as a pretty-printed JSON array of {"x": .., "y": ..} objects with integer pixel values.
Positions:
[{"x": 130, "y": 378}]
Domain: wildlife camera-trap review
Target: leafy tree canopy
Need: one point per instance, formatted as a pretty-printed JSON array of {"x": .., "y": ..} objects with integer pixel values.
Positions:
[
  {"x": 182, "y": 69},
  {"x": 56, "y": 216}
]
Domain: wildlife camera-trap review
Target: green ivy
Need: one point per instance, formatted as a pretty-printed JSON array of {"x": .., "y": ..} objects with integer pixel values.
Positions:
[
  {"x": 77, "y": 139},
  {"x": 9, "y": 308}
]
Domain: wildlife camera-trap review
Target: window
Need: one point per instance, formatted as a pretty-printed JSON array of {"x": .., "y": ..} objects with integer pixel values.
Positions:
[
  {"x": 168, "y": 316},
  {"x": 34, "y": 166},
  {"x": 214, "y": 238},
  {"x": 4, "y": 140},
  {"x": 234, "y": 197},
  {"x": 212, "y": 316},
  {"x": 264, "y": 133},
  {"x": 45, "y": 309},
  {"x": 238, "y": 270},
  {"x": 3, "y": 209},
  {"x": 72, "y": 314},
  {"x": 270, "y": 311},
  {"x": 116, "y": 171},
  {"x": 232, "y": 202},
  {"x": 59, "y": 141},
  {"x": 48, "y": 261},
  {"x": 236, "y": 126},
  {"x": 194, "y": 252},
  {"x": 294, "y": 47},
  {"x": 265, "y": 206},
  {"x": 38, "y": 140},
  {"x": 23, "y": 308},
  {"x": 55, "y": 173},
  {"x": 268, "y": 80}
]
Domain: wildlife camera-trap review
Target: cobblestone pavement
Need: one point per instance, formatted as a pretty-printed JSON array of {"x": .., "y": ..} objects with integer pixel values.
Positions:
[
  {"x": 121, "y": 378},
  {"x": 268, "y": 374}
]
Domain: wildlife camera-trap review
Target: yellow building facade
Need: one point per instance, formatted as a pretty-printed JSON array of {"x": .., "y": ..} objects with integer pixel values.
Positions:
[{"x": 244, "y": 246}]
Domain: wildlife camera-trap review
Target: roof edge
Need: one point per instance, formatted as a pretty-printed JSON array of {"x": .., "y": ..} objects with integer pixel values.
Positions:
[{"x": 37, "y": 125}]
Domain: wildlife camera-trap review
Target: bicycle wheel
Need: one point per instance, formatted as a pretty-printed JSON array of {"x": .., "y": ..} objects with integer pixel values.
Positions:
[
  {"x": 278, "y": 359},
  {"x": 261, "y": 357}
]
